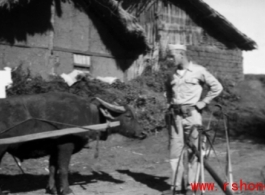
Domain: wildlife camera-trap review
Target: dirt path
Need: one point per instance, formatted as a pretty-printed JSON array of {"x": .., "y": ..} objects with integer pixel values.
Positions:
[{"x": 128, "y": 168}]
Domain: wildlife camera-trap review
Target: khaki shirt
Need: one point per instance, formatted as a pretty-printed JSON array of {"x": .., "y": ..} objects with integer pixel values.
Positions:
[{"x": 187, "y": 89}]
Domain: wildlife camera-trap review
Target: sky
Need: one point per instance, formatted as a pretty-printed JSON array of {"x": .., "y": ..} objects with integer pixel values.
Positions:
[{"x": 248, "y": 17}]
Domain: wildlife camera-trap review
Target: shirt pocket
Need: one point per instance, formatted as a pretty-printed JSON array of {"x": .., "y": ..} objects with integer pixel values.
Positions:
[{"x": 192, "y": 81}]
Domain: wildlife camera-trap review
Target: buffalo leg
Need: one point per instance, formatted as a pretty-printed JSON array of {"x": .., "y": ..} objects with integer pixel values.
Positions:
[
  {"x": 3, "y": 150},
  {"x": 64, "y": 156},
  {"x": 2, "y": 153},
  {"x": 51, "y": 188}
]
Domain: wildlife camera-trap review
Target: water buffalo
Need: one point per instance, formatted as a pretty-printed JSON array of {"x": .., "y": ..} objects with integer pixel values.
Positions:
[{"x": 64, "y": 108}]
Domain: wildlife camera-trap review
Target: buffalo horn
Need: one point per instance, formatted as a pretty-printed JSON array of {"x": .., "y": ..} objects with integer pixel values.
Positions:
[{"x": 114, "y": 108}]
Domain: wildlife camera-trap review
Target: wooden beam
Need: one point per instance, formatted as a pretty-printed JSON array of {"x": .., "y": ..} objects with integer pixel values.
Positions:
[{"x": 54, "y": 133}]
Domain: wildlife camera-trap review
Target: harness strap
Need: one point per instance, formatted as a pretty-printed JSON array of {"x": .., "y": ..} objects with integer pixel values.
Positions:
[{"x": 96, "y": 155}]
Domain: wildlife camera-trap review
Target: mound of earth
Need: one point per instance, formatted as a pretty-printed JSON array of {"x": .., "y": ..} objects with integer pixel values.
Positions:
[
  {"x": 243, "y": 102},
  {"x": 247, "y": 114}
]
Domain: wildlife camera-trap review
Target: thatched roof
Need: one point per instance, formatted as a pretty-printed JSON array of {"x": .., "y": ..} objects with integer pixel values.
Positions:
[
  {"x": 203, "y": 15},
  {"x": 218, "y": 24},
  {"x": 122, "y": 25}
]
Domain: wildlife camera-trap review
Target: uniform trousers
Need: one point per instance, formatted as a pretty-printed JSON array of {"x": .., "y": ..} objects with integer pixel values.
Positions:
[{"x": 177, "y": 140}]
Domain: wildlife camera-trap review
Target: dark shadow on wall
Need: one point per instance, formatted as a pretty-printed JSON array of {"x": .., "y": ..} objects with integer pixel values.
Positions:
[
  {"x": 111, "y": 43},
  {"x": 24, "y": 19},
  {"x": 124, "y": 52}
]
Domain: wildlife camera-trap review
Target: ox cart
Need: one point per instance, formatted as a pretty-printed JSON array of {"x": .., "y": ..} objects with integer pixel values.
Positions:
[
  {"x": 56, "y": 133},
  {"x": 58, "y": 125}
]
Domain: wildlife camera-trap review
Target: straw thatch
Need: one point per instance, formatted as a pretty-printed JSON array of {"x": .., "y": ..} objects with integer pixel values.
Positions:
[
  {"x": 11, "y": 3},
  {"x": 123, "y": 25},
  {"x": 216, "y": 24}
]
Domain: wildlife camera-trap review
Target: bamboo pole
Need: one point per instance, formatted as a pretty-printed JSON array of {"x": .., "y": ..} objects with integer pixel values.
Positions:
[{"x": 54, "y": 133}]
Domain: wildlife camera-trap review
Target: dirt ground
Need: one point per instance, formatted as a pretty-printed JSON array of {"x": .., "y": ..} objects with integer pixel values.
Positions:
[{"x": 130, "y": 167}]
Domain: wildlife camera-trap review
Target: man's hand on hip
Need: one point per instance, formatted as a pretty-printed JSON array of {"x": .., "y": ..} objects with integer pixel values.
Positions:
[{"x": 200, "y": 105}]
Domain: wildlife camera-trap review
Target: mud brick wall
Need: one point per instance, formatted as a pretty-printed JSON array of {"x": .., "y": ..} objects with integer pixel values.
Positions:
[
  {"x": 75, "y": 32},
  {"x": 224, "y": 63}
]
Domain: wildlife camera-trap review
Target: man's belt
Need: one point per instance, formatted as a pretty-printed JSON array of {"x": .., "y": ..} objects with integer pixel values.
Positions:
[{"x": 182, "y": 110}]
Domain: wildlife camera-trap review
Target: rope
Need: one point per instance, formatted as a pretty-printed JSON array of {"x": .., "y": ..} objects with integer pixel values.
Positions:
[
  {"x": 97, "y": 148},
  {"x": 19, "y": 165},
  {"x": 96, "y": 155}
]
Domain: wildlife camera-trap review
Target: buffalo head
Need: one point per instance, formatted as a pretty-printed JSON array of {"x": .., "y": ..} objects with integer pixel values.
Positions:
[{"x": 129, "y": 125}]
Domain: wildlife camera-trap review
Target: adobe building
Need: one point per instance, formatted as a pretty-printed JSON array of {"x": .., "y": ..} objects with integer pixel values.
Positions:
[
  {"x": 54, "y": 37},
  {"x": 212, "y": 40},
  {"x": 117, "y": 38}
]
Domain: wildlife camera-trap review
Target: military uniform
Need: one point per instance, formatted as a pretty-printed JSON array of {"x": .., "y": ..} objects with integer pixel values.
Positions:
[{"x": 184, "y": 90}]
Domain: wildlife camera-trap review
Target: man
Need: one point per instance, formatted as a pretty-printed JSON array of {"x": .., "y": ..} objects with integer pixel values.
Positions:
[{"x": 183, "y": 92}]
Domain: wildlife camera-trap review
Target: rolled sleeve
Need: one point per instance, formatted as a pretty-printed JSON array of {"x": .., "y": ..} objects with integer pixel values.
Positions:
[{"x": 215, "y": 86}]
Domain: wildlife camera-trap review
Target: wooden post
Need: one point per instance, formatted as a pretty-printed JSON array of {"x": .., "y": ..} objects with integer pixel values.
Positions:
[
  {"x": 52, "y": 30},
  {"x": 50, "y": 58}
]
